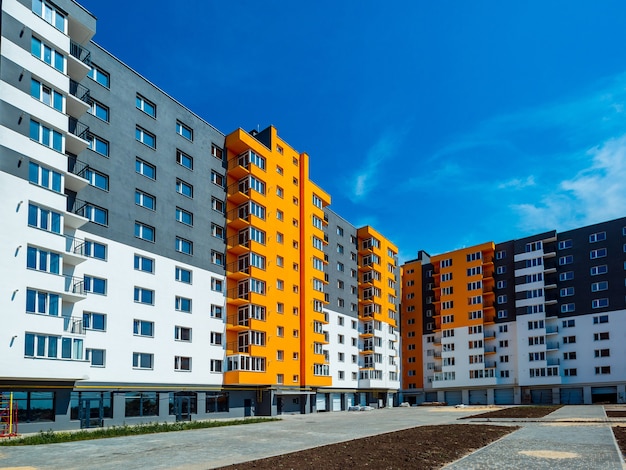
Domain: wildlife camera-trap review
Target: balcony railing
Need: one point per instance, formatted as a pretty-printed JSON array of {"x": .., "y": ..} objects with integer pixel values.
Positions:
[
  {"x": 74, "y": 325},
  {"x": 81, "y": 53},
  {"x": 78, "y": 128},
  {"x": 80, "y": 91},
  {"x": 74, "y": 245},
  {"x": 74, "y": 285},
  {"x": 76, "y": 206},
  {"x": 76, "y": 167}
]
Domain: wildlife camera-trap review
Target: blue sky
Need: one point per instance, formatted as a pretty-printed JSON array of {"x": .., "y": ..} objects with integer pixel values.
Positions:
[{"x": 442, "y": 124}]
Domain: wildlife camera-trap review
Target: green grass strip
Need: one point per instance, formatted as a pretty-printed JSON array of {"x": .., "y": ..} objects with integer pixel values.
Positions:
[{"x": 52, "y": 437}]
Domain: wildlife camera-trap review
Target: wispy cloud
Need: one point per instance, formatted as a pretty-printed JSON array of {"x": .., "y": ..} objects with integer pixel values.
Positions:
[
  {"x": 517, "y": 183},
  {"x": 594, "y": 194},
  {"x": 382, "y": 150}
]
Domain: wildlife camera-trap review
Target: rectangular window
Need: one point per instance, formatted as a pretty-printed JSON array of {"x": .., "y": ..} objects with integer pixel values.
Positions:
[
  {"x": 216, "y": 366},
  {"x": 217, "y": 205},
  {"x": 567, "y": 291},
  {"x": 563, "y": 260},
  {"x": 217, "y": 231},
  {"x": 216, "y": 338},
  {"x": 183, "y": 275},
  {"x": 146, "y": 169},
  {"x": 47, "y": 95},
  {"x": 145, "y": 137},
  {"x": 96, "y": 214},
  {"x": 217, "y": 179},
  {"x": 145, "y": 200},
  {"x": 42, "y": 302},
  {"x": 597, "y": 270},
  {"x": 600, "y": 319},
  {"x": 46, "y": 136},
  {"x": 95, "y": 285},
  {"x": 216, "y": 311},
  {"x": 183, "y": 304},
  {"x": 97, "y": 179},
  {"x": 601, "y": 336},
  {"x": 144, "y": 264},
  {"x": 94, "y": 321},
  {"x": 145, "y": 232},
  {"x": 599, "y": 303},
  {"x": 95, "y": 250},
  {"x": 98, "y": 144},
  {"x": 184, "y": 246},
  {"x": 42, "y": 260},
  {"x": 217, "y": 258},
  {"x": 99, "y": 75},
  {"x": 566, "y": 276},
  {"x": 184, "y": 130},
  {"x": 49, "y": 55},
  {"x": 599, "y": 253},
  {"x": 184, "y": 160},
  {"x": 567, "y": 308},
  {"x": 184, "y": 188},
  {"x": 143, "y": 328},
  {"x": 51, "y": 14},
  {"x": 599, "y": 286},
  {"x": 597, "y": 237},
  {"x": 563, "y": 245},
  {"x": 183, "y": 216},
  {"x": 146, "y": 106},
  {"x": 143, "y": 360},
  {"x": 99, "y": 110},
  {"x": 217, "y": 152},
  {"x": 96, "y": 357},
  {"x": 144, "y": 296},
  {"x": 44, "y": 219},
  {"x": 217, "y": 285},
  {"x": 44, "y": 177}
]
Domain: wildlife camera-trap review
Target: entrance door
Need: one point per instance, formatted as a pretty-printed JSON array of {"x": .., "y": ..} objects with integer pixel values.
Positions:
[
  {"x": 182, "y": 408},
  {"x": 90, "y": 412},
  {"x": 247, "y": 407}
]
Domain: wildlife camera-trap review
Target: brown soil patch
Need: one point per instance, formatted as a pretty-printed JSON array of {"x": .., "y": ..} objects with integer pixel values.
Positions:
[
  {"x": 620, "y": 436},
  {"x": 518, "y": 412},
  {"x": 424, "y": 447},
  {"x": 615, "y": 414}
]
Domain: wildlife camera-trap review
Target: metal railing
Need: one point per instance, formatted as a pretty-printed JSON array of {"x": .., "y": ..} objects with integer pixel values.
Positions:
[
  {"x": 74, "y": 245},
  {"x": 76, "y": 166},
  {"x": 78, "y": 128},
  {"x": 80, "y": 91},
  {"x": 74, "y": 325},
  {"x": 74, "y": 285},
  {"x": 81, "y": 53}
]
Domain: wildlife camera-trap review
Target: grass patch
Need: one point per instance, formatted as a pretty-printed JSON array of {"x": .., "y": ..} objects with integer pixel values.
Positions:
[{"x": 52, "y": 437}]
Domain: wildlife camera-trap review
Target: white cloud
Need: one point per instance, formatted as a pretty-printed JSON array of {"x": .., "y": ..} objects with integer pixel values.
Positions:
[
  {"x": 517, "y": 183},
  {"x": 595, "y": 194}
]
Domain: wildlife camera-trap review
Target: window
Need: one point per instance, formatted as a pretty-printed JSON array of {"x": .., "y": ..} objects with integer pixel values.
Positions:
[
  {"x": 279, "y": 214},
  {"x": 603, "y": 370},
  {"x": 145, "y": 232},
  {"x": 597, "y": 270},
  {"x": 217, "y": 258},
  {"x": 99, "y": 75},
  {"x": 183, "y": 275},
  {"x": 47, "y": 95},
  {"x": 144, "y": 296},
  {"x": 42, "y": 260},
  {"x": 502, "y": 313},
  {"x": 143, "y": 328},
  {"x": 500, "y": 269},
  {"x": 217, "y": 179},
  {"x": 145, "y": 200},
  {"x": 217, "y": 205},
  {"x": 96, "y": 214},
  {"x": 501, "y": 299},
  {"x": 566, "y": 276},
  {"x": 183, "y": 304},
  {"x": 184, "y": 160},
  {"x": 599, "y": 253},
  {"x": 217, "y": 231},
  {"x": 599, "y": 286},
  {"x": 46, "y": 136},
  {"x": 144, "y": 264},
  {"x": 599, "y": 303},
  {"x": 569, "y": 339},
  {"x": 216, "y": 311},
  {"x": 44, "y": 219},
  {"x": 601, "y": 336},
  {"x": 563, "y": 245},
  {"x": 568, "y": 308},
  {"x": 184, "y": 130},
  {"x": 97, "y": 179},
  {"x": 184, "y": 246},
  {"x": 182, "y": 333},
  {"x": 216, "y": 366},
  {"x": 40, "y": 345},
  {"x": 142, "y": 360},
  {"x": 597, "y": 237},
  {"x": 146, "y": 169},
  {"x": 567, "y": 291},
  {"x": 501, "y": 284},
  {"x": 44, "y": 177},
  {"x": 183, "y": 216},
  {"x": 184, "y": 188},
  {"x": 600, "y": 319},
  {"x": 146, "y": 106},
  {"x": 339, "y": 248},
  {"x": 50, "y": 13},
  {"x": 217, "y": 152},
  {"x": 216, "y": 338},
  {"x": 145, "y": 137},
  {"x": 50, "y": 56},
  {"x": 94, "y": 321},
  {"x": 217, "y": 285},
  {"x": 99, "y": 110},
  {"x": 42, "y": 302},
  {"x": 563, "y": 260},
  {"x": 182, "y": 363},
  {"x": 602, "y": 353},
  {"x": 96, "y": 357},
  {"x": 95, "y": 285}
]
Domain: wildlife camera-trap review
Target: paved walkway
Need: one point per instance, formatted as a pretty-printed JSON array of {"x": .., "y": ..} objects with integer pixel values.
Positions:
[{"x": 533, "y": 446}]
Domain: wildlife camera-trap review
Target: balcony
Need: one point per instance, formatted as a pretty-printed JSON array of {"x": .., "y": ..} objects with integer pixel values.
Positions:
[
  {"x": 490, "y": 365},
  {"x": 490, "y": 349},
  {"x": 74, "y": 251},
  {"x": 553, "y": 362},
  {"x": 490, "y": 335},
  {"x": 79, "y": 61},
  {"x": 73, "y": 325},
  {"x": 79, "y": 99},
  {"x": 552, "y": 346},
  {"x": 75, "y": 179},
  {"x": 239, "y": 192},
  {"x": 74, "y": 289},
  {"x": 77, "y": 137},
  {"x": 552, "y": 330}
]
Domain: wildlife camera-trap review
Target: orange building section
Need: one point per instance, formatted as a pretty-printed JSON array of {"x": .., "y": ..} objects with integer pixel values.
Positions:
[
  {"x": 464, "y": 287},
  {"x": 273, "y": 297},
  {"x": 412, "y": 325}
]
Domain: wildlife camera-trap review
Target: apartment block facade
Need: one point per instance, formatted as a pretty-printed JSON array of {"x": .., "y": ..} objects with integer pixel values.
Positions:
[
  {"x": 536, "y": 320},
  {"x": 155, "y": 268}
]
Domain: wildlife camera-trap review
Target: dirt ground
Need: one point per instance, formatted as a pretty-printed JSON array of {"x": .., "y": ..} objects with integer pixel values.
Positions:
[
  {"x": 615, "y": 413},
  {"x": 518, "y": 412},
  {"x": 620, "y": 436},
  {"x": 424, "y": 447}
]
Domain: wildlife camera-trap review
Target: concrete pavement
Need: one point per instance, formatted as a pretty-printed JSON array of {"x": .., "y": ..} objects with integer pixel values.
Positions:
[{"x": 589, "y": 441}]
